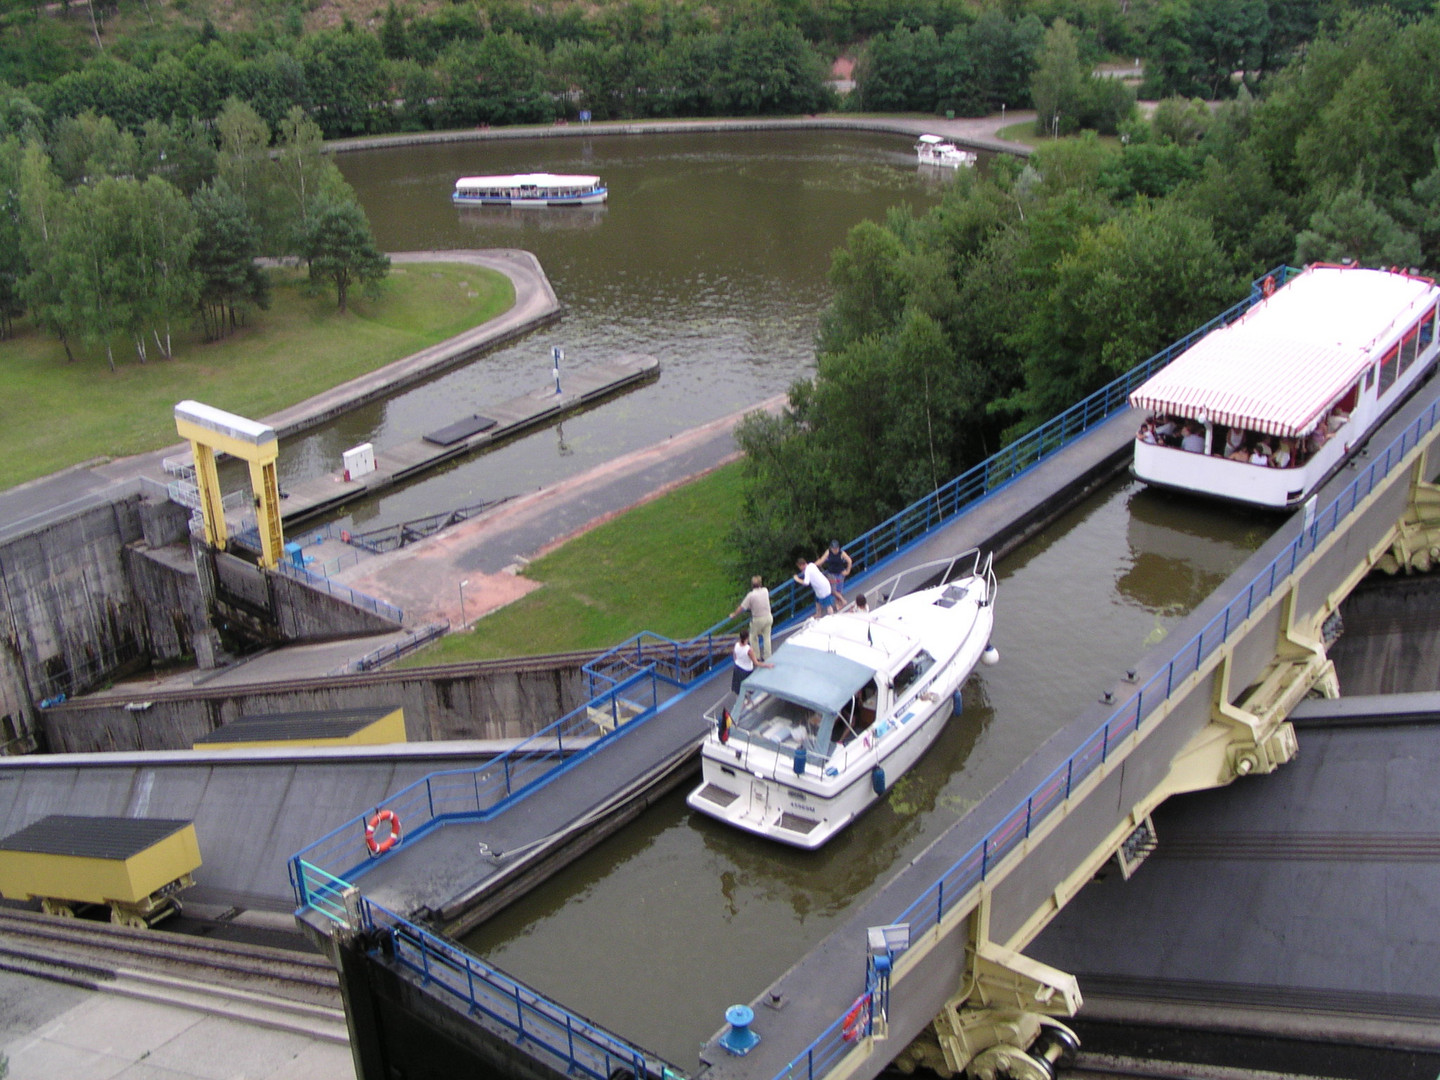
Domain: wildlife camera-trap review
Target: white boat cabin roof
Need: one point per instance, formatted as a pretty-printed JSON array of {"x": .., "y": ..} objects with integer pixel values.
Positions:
[
  {"x": 537, "y": 180},
  {"x": 1281, "y": 366},
  {"x": 932, "y": 140}
]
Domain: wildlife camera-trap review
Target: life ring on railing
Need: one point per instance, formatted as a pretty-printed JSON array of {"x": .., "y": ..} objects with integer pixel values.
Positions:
[
  {"x": 380, "y": 847},
  {"x": 854, "y": 1022},
  {"x": 1268, "y": 286}
]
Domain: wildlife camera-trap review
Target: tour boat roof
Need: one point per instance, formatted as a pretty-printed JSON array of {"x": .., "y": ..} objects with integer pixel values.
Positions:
[
  {"x": 1287, "y": 360},
  {"x": 932, "y": 139},
  {"x": 818, "y": 680},
  {"x": 539, "y": 179}
]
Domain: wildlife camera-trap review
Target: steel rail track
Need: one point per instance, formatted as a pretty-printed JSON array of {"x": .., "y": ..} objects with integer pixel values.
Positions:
[{"x": 101, "y": 949}]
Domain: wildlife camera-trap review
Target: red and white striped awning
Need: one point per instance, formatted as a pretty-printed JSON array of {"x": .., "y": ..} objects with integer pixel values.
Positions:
[{"x": 1280, "y": 368}]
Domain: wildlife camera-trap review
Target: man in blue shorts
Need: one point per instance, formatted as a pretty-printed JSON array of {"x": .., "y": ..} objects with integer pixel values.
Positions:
[{"x": 812, "y": 575}]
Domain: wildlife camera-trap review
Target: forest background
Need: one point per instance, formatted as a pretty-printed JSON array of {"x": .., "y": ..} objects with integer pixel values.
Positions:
[{"x": 150, "y": 150}]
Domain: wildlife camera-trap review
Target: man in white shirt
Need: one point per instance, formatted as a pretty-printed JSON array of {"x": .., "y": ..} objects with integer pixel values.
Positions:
[{"x": 812, "y": 575}]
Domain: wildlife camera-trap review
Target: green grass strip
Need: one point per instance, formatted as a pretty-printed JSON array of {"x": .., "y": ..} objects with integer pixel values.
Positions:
[
  {"x": 663, "y": 566},
  {"x": 54, "y": 413}
]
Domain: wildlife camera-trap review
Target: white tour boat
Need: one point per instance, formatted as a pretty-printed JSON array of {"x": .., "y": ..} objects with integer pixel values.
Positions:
[
  {"x": 852, "y": 701},
  {"x": 933, "y": 150},
  {"x": 1264, "y": 410},
  {"x": 529, "y": 189}
]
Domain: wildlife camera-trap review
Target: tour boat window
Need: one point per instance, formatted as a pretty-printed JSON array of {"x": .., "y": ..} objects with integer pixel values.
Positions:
[
  {"x": 1369, "y": 377},
  {"x": 1427, "y": 328},
  {"x": 1389, "y": 369},
  {"x": 1409, "y": 350}
]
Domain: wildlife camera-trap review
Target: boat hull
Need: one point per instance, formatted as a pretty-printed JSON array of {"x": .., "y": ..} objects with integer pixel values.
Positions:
[
  {"x": 805, "y": 815},
  {"x": 590, "y": 199}
]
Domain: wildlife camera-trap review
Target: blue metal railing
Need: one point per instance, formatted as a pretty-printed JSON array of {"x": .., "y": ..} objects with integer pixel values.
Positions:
[
  {"x": 319, "y": 872},
  {"x": 569, "y": 1041},
  {"x": 975, "y": 865},
  {"x": 789, "y": 600}
]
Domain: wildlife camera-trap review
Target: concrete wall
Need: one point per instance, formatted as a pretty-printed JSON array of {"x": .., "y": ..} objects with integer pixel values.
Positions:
[
  {"x": 67, "y": 602},
  {"x": 1391, "y": 638},
  {"x": 495, "y": 700}
]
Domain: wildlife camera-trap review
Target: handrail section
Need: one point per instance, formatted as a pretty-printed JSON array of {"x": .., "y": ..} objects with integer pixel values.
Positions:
[{"x": 975, "y": 865}]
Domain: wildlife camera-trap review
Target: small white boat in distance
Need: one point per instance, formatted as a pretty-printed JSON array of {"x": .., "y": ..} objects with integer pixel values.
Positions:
[
  {"x": 933, "y": 150},
  {"x": 851, "y": 703},
  {"x": 1264, "y": 410},
  {"x": 529, "y": 189}
]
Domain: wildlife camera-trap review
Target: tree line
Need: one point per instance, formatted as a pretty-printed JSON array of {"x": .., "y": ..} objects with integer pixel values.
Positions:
[
  {"x": 107, "y": 237},
  {"x": 1036, "y": 282}
]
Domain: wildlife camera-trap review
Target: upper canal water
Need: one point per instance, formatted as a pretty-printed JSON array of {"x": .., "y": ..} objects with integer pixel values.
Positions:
[{"x": 712, "y": 255}]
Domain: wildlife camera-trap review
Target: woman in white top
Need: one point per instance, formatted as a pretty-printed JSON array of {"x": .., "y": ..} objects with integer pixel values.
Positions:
[{"x": 745, "y": 661}]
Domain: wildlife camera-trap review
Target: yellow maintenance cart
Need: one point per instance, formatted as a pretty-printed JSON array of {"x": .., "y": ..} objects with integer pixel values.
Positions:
[
  {"x": 133, "y": 865},
  {"x": 374, "y": 726}
]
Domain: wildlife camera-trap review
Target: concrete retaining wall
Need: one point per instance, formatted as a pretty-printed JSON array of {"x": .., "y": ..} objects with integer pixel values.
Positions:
[
  {"x": 1391, "y": 638},
  {"x": 497, "y": 700}
]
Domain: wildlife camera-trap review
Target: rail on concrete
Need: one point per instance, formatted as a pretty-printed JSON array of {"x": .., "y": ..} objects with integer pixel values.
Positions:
[
  {"x": 323, "y": 873},
  {"x": 958, "y": 884}
]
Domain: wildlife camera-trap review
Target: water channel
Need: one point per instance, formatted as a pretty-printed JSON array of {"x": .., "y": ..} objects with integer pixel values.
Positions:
[
  {"x": 655, "y": 932},
  {"x": 712, "y": 255}
]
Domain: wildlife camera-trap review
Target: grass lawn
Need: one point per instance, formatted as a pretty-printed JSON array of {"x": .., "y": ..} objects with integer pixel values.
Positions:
[
  {"x": 663, "y": 566},
  {"x": 56, "y": 413},
  {"x": 1024, "y": 133}
]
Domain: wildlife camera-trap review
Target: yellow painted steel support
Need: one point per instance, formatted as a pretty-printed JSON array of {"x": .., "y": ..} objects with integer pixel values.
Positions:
[
  {"x": 1416, "y": 544},
  {"x": 1002, "y": 1022},
  {"x": 210, "y": 431},
  {"x": 207, "y": 483}
]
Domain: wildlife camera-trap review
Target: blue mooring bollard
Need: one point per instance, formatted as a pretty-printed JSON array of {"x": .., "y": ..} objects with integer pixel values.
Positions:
[{"x": 739, "y": 1040}]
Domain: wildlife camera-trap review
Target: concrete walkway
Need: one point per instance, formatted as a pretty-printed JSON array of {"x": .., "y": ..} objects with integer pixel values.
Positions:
[
  {"x": 981, "y": 132},
  {"x": 50, "y": 1031}
]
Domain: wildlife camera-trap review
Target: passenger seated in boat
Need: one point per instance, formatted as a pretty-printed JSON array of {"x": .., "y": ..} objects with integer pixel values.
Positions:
[
  {"x": 1147, "y": 433},
  {"x": 1282, "y": 458},
  {"x": 1191, "y": 440},
  {"x": 1260, "y": 455},
  {"x": 1234, "y": 442},
  {"x": 1166, "y": 431}
]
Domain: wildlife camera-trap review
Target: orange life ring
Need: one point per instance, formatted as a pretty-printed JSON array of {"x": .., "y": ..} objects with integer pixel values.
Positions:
[
  {"x": 1268, "y": 286},
  {"x": 379, "y": 847},
  {"x": 851, "y": 1026}
]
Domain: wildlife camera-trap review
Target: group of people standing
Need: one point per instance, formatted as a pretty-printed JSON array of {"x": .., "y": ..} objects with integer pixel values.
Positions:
[{"x": 825, "y": 576}]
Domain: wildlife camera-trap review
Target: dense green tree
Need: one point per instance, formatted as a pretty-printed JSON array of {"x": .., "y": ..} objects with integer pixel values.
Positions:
[
  {"x": 229, "y": 283},
  {"x": 1352, "y": 225},
  {"x": 341, "y": 250},
  {"x": 12, "y": 254},
  {"x": 1058, "y": 85},
  {"x": 43, "y": 228},
  {"x": 344, "y": 79}
]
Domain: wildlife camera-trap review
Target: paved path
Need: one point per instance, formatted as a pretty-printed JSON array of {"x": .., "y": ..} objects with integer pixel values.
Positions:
[
  {"x": 981, "y": 132},
  {"x": 52, "y": 498},
  {"x": 50, "y": 1031}
]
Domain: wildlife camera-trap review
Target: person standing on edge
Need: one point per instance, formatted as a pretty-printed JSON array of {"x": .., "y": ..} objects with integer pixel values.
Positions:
[
  {"x": 836, "y": 563},
  {"x": 757, "y": 603},
  {"x": 745, "y": 661},
  {"x": 812, "y": 575}
]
